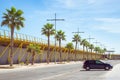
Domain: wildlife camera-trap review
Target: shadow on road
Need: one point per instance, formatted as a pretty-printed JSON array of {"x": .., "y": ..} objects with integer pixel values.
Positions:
[{"x": 96, "y": 70}]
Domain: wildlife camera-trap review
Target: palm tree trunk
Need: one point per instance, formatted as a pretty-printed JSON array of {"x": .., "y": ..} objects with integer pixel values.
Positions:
[
  {"x": 33, "y": 58},
  {"x": 83, "y": 51},
  {"x": 11, "y": 46},
  {"x": 27, "y": 60},
  {"x": 75, "y": 51},
  {"x": 96, "y": 55},
  {"x": 91, "y": 53},
  {"x": 48, "y": 48},
  {"x": 69, "y": 55},
  {"x": 60, "y": 50},
  {"x": 86, "y": 53}
]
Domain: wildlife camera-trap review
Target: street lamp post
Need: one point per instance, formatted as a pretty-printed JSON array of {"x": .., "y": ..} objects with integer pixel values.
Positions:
[{"x": 55, "y": 19}]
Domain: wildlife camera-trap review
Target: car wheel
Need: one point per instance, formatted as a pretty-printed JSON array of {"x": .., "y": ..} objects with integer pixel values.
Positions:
[
  {"x": 107, "y": 68},
  {"x": 87, "y": 68}
]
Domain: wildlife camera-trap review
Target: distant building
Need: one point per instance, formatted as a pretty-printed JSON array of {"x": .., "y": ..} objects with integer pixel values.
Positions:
[{"x": 115, "y": 56}]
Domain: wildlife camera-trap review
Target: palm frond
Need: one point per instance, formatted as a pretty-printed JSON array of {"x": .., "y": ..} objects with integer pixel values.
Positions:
[
  {"x": 13, "y": 10},
  {"x": 34, "y": 48},
  {"x": 48, "y": 30},
  {"x": 69, "y": 46},
  {"x": 60, "y": 35},
  {"x": 13, "y": 18}
]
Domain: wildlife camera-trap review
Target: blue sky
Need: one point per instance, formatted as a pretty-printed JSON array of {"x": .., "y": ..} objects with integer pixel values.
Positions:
[{"x": 98, "y": 18}]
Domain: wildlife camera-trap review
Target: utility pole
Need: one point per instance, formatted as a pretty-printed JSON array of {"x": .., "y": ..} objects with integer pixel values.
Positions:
[
  {"x": 55, "y": 19},
  {"x": 90, "y": 38},
  {"x": 78, "y": 45},
  {"x": 96, "y": 42},
  {"x": 102, "y": 46},
  {"x": 78, "y": 32}
]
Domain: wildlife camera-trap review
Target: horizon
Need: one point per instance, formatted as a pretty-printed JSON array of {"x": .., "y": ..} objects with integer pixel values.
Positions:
[{"x": 98, "y": 19}]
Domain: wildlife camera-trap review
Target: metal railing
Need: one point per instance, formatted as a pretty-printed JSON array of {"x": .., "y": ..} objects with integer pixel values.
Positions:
[{"x": 24, "y": 37}]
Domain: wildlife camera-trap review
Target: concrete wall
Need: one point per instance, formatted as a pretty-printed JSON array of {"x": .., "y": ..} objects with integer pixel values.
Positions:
[{"x": 20, "y": 55}]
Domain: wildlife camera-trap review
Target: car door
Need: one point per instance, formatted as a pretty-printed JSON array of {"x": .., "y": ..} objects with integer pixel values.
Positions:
[
  {"x": 92, "y": 64},
  {"x": 99, "y": 64}
]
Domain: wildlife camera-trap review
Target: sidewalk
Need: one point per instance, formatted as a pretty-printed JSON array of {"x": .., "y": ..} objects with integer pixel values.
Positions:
[{"x": 20, "y": 67}]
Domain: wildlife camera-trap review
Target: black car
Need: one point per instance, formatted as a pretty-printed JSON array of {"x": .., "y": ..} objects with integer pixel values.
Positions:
[{"x": 96, "y": 64}]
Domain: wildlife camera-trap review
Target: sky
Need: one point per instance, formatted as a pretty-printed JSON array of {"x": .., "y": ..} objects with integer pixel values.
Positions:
[{"x": 99, "y": 19}]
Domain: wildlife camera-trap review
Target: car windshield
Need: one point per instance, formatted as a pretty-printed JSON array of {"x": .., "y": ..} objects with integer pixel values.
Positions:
[{"x": 99, "y": 62}]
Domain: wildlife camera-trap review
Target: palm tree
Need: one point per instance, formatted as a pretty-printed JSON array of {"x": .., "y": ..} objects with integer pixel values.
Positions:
[
  {"x": 97, "y": 50},
  {"x": 83, "y": 43},
  {"x": 101, "y": 51},
  {"x": 87, "y": 44},
  {"x": 34, "y": 49},
  {"x": 13, "y": 19},
  {"x": 69, "y": 46},
  {"x": 48, "y": 30},
  {"x": 76, "y": 39},
  {"x": 104, "y": 50},
  {"x": 60, "y": 36},
  {"x": 91, "y": 47}
]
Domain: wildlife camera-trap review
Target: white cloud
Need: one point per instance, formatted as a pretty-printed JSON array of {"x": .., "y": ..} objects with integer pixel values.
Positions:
[
  {"x": 111, "y": 28},
  {"x": 113, "y": 20},
  {"x": 108, "y": 24}
]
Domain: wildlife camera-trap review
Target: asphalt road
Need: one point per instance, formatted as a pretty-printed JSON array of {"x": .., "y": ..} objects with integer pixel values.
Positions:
[{"x": 62, "y": 72}]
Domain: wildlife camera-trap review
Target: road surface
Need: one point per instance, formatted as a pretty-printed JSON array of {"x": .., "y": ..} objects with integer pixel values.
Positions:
[{"x": 63, "y": 72}]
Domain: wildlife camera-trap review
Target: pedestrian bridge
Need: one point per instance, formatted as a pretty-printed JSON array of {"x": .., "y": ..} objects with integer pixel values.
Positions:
[{"x": 21, "y": 41}]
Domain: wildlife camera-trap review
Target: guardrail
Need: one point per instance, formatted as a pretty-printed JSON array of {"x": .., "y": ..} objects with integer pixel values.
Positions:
[{"x": 24, "y": 37}]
